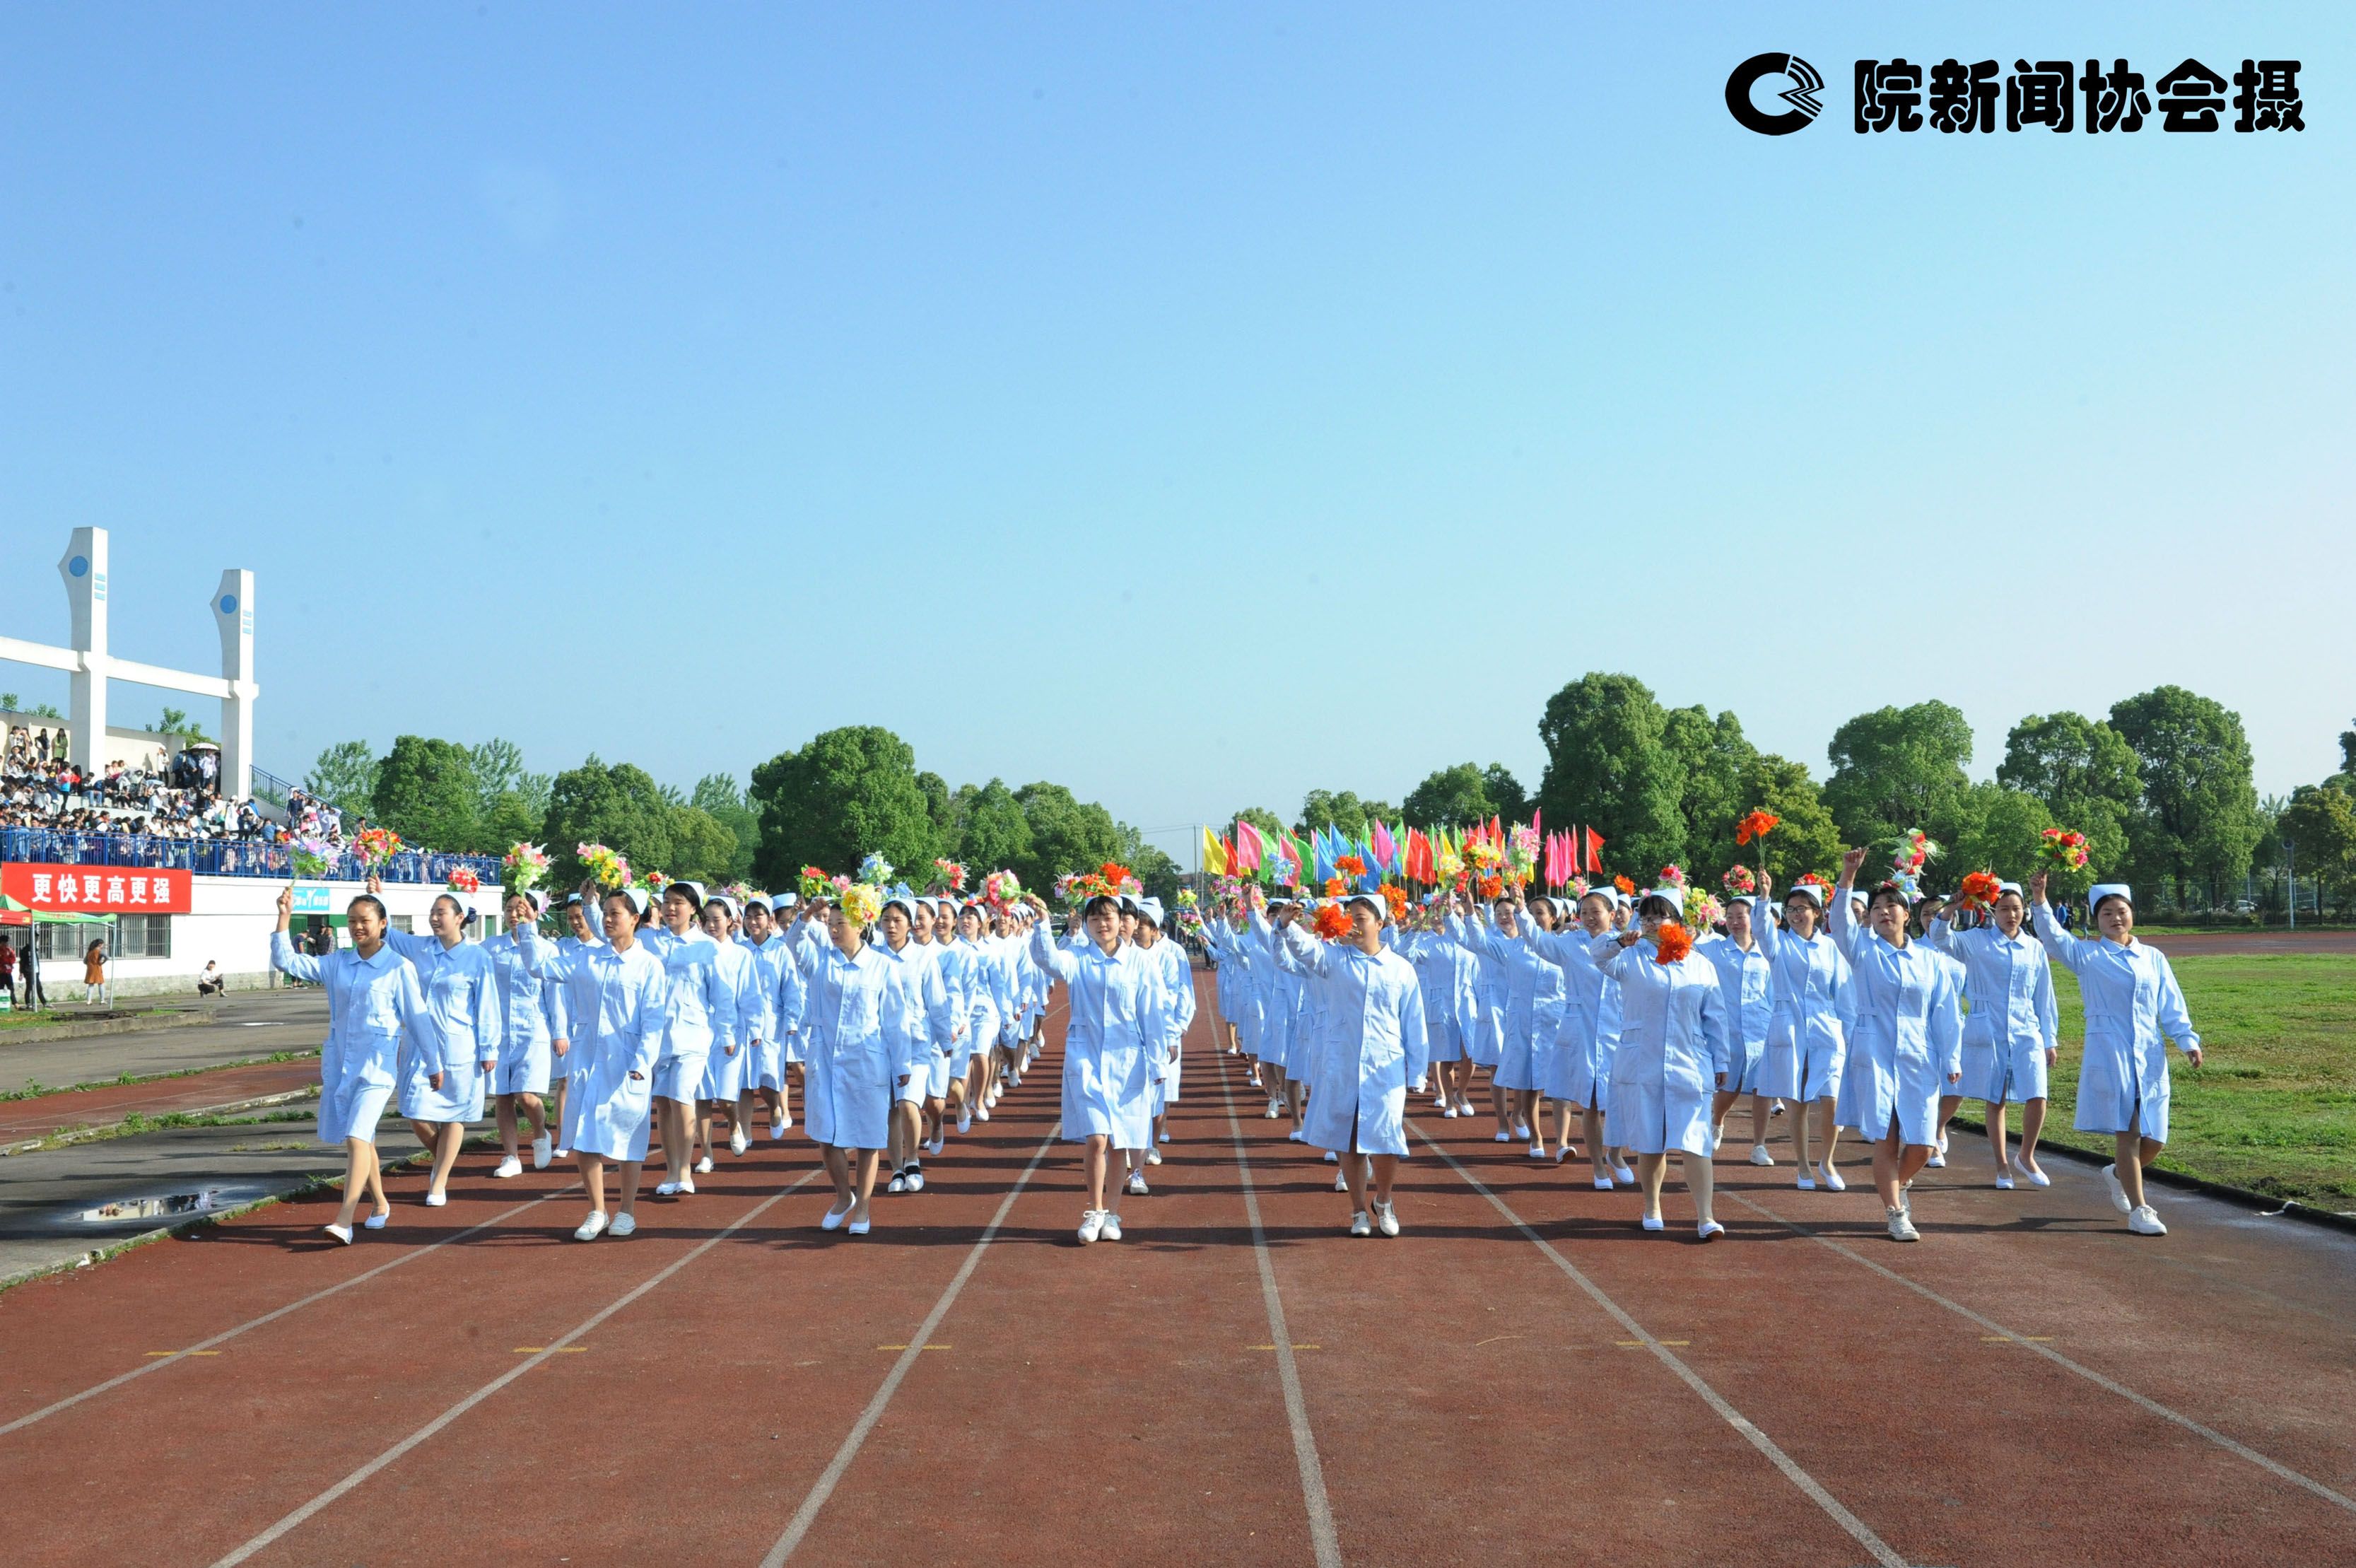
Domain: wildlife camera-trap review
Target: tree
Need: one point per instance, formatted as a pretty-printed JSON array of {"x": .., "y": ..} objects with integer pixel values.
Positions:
[
  {"x": 1066, "y": 835},
  {"x": 717, "y": 796},
  {"x": 993, "y": 833},
  {"x": 425, "y": 792},
  {"x": 2085, "y": 772},
  {"x": 1715, "y": 758},
  {"x": 2345, "y": 778},
  {"x": 174, "y": 721},
  {"x": 344, "y": 776},
  {"x": 1508, "y": 798},
  {"x": 618, "y": 806},
  {"x": 1898, "y": 769},
  {"x": 1156, "y": 871},
  {"x": 1260, "y": 817},
  {"x": 2001, "y": 832},
  {"x": 1803, "y": 839},
  {"x": 702, "y": 847},
  {"x": 2199, "y": 815},
  {"x": 1343, "y": 813},
  {"x": 1609, "y": 767},
  {"x": 1452, "y": 797},
  {"x": 2319, "y": 824},
  {"x": 849, "y": 792},
  {"x": 941, "y": 807}
]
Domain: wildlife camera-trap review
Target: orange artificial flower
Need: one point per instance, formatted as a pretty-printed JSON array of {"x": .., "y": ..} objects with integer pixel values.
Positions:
[
  {"x": 1351, "y": 864},
  {"x": 1396, "y": 898},
  {"x": 1492, "y": 888},
  {"x": 1980, "y": 890},
  {"x": 1333, "y": 922},
  {"x": 1672, "y": 940},
  {"x": 1755, "y": 824},
  {"x": 1622, "y": 884},
  {"x": 1336, "y": 887}
]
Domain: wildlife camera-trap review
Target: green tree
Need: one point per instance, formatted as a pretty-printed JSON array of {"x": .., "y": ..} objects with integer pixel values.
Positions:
[
  {"x": 1343, "y": 812},
  {"x": 1508, "y": 798},
  {"x": 941, "y": 807},
  {"x": 1260, "y": 817},
  {"x": 1156, "y": 871},
  {"x": 1717, "y": 761},
  {"x": 425, "y": 792},
  {"x": 1609, "y": 767},
  {"x": 618, "y": 806},
  {"x": 2199, "y": 817},
  {"x": 849, "y": 792},
  {"x": 1805, "y": 838},
  {"x": 1066, "y": 835},
  {"x": 993, "y": 833},
  {"x": 344, "y": 776},
  {"x": 174, "y": 721},
  {"x": 2319, "y": 826},
  {"x": 718, "y": 796},
  {"x": 2345, "y": 778},
  {"x": 2085, "y": 772},
  {"x": 1452, "y": 797},
  {"x": 2002, "y": 828},
  {"x": 1899, "y": 768},
  {"x": 702, "y": 847}
]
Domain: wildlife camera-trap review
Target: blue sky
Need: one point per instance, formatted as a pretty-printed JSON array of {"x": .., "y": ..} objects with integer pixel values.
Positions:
[{"x": 1149, "y": 368}]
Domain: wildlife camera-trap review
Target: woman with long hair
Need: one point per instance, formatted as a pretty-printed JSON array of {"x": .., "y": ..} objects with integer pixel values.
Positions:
[
  {"x": 2133, "y": 1007},
  {"x": 1908, "y": 1042},
  {"x": 2012, "y": 1034},
  {"x": 375, "y": 1011},
  {"x": 1808, "y": 1032}
]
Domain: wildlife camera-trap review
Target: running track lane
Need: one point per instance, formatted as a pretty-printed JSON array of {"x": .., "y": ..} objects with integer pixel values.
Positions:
[
  {"x": 1125, "y": 1393},
  {"x": 48, "y": 1113}
]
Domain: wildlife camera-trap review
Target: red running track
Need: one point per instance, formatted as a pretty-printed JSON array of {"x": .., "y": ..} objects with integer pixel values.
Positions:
[
  {"x": 44, "y": 1114},
  {"x": 1523, "y": 1376}
]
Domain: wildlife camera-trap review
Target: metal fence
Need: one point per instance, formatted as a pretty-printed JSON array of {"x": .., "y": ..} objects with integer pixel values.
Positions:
[{"x": 226, "y": 858}]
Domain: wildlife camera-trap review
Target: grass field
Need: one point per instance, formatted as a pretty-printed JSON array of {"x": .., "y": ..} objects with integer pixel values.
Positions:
[{"x": 2275, "y": 1108}]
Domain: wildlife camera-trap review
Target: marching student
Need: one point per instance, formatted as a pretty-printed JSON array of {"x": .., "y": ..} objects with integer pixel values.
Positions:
[
  {"x": 737, "y": 1045},
  {"x": 526, "y": 1055},
  {"x": 376, "y": 1013},
  {"x": 1579, "y": 1075},
  {"x": 1117, "y": 1005},
  {"x": 443, "y": 1088},
  {"x": 854, "y": 1076},
  {"x": 1177, "y": 1015},
  {"x": 1807, "y": 1033},
  {"x": 1748, "y": 977},
  {"x": 1907, "y": 1044},
  {"x": 917, "y": 1022},
  {"x": 566, "y": 1063},
  {"x": 1675, "y": 1042},
  {"x": 2133, "y": 1007},
  {"x": 702, "y": 1018},
  {"x": 2012, "y": 1034}
]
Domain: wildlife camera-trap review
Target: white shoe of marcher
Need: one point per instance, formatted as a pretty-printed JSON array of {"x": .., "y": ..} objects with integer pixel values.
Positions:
[
  {"x": 738, "y": 1143},
  {"x": 1760, "y": 1157},
  {"x": 1832, "y": 1178},
  {"x": 1112, "y": 1229},
  {"x": 983, "y": 1114},
  {"x": 1091, "y": 1225},
  {"x": 686, "y": 1185},
  {"x": 1165, "y": 1136},
  {"x": 2118, "y": 1194},
  {"x": 511, "y": 1167},
  {"x": 1439, "y": 1102},
  {"x": 1901, "y": 1227},
  {"x": 1624, "y": 1175},
  {"x": 341, "y": 1232},
  {"x": 2004, "y": 1181},
  {"x": 1136, "y": 1184},
  {"x": 1655, "y": 1222},
  {"x": 1360, "y": 1225},
  {"x": 2145, "y": 1221},
  {"x": 1296, "y": 1136},
  {"x": 1331, "y": 1158},
  {"x": 666, "y": 1189},
  {"x": 2033, "y": 1177},
  {"x": 376, "y": 1221},
  {"x": 564, "y": 1153},
  {"x": 965, "y": 1121},
  {"x": 1521, "y": 1131},
  {"x": 540, "y": 1148},
  {"x": 436, "y": 1199},
  {"x": 1503, "y": 1137},
  {"x": 1603, "y": 1183},
  {"x": 625, "y": 1224},
  {"x": 591, "y": 1228},
  {"x": 1341, "y": 1182},
  {"x": 1937, "y": 1162},
  {"x": 915, "y": 1179},
  {"x": 937, "y": 1145},
  {"x": 703, "y": 1165},
  {"x": 786, "y": 1120},
  {"x": 1537, "y": 1151},
  {"x": 1153, "y": 1156},
  {"x": 1449, "y": 1112},
  {"x": 833, "y": 1218},
  {"x": 1709, "y": 1229},
  {"x": 1807, "y": 1182},
  {"x": 1385, "y": 1219}
]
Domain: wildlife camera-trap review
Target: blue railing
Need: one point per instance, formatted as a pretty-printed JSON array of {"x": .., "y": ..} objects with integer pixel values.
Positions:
[{"x": 226, "y": 858}]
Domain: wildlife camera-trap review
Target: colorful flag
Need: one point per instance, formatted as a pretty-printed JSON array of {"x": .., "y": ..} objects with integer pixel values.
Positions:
[{"x": 1214, "y": 854}]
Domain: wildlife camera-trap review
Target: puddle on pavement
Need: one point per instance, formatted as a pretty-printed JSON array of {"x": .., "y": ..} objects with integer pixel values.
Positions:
[{"x": 168, "y": 1206}]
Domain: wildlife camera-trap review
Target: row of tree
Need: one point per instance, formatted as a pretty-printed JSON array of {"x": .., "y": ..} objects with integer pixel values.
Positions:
[
  {"x": 2162, "y": 789},
  {"x": 2316, "y": 828},
  {"x": 847, "y": 792}
]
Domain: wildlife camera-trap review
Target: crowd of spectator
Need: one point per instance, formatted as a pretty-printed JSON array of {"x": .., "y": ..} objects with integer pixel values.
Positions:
[{"x": 55, "y": 795}]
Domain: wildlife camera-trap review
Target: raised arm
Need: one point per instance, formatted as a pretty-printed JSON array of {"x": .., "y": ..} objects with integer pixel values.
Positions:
[
  {"x": 1941, "y": 936},
  {"x": 286, "y": 960},
  {"x": 1064, "y": 966},
  {"x": 1305, "y": 950}
]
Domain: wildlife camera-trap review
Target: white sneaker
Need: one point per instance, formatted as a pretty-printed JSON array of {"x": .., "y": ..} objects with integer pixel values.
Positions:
[
  {"x": 1807, "y": 1182},
  {"x": 564, "y": 1153},
  {"x": 540, "y": 1148},
  {"x": 899, "y": 1182},
  {"x": 1341, "y": 1182},
  {"x": 1439, "y": 1103},
  {"x": 1937, "y": 1162},
  {"x": 1274, "y": 1111},
  {"x": 965, "y": 1119},
  {"x": 1296, "y": 1136},
  {"x": 833, "y": 1218},
  {"x": 1165, "y": 1136},
  {"x": 1537, "y": 1151},
  {"x": 738, "y": 1143},
  {"x": 1385, "y": 1219},
  {"x": 1760, "y": 1157},
  {"x": 1091, "y": 1225},
  {"x": 436, "y": 1199},
  {"x": 1153, "y": 1156},
  {"x": 937, "y": 1145},
  {"x": 2118, "y": 1194},
  {"x": 915, "y": 1179},
  {"x": 1360, "y": 1225},
  {"x": 1420, "y": 1086},
  {"x": 666, "y": 1189},
  {"x": 511, "y": 1167},
  {"x": 625, "y": 1224},
  {"x": 777, "y": 1129},
  {"x": 983, "y": 1114},
  {"x": 591, "y": 1228},
  {"x": 703, "y": 1165},
  {"x": 686, "y": 1185},
  {"x": 376, "y": 1221},
  {"x": 1502, "y": 1136},
  {"x": 2145, "y": 1221},
  {"x": 1901, "y": 1227},
  {"x": 786, "y": 1120},
  {"x": 2033, "y": 1177},
  {"x": 2004, "y": 1181},
  {"x": 1521, "y": 1131},
  {"x": 341, "y": 1232},
  {"x": 1603, "y": 1183},
  {"x": 1832, "y": 1178},
  {"x": 1112, "y": 1229},
  {"x": 1654, "y": 1223},
  {"x": 1709, "y": 1229},
  {"x": 1449, "y": 1112},
  {"x": 1331, "y": 1158},
  {"x": 1136, "y": 1185}
]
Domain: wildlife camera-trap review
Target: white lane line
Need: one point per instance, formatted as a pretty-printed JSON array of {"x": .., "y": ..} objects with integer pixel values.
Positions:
[
  {"x": 553, "y": 1347},
  {"x": 2141, "y": 1402},
  {"x": 807, "y": 1515},
  {"x": 271, "y": 1316},
  {"x": 1882, "y": 1551},
  {"x": 1322, "y": 1534}
]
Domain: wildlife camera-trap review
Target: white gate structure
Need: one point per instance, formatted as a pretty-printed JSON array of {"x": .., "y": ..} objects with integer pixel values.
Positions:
[{"x": 91, "y": 665}]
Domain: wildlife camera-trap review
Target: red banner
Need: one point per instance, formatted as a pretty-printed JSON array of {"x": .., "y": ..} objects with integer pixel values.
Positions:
[{"x": 96, "y": 890}]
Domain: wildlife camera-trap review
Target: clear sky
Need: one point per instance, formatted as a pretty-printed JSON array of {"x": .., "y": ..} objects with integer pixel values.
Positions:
[{"x": 1193, "y": 405}]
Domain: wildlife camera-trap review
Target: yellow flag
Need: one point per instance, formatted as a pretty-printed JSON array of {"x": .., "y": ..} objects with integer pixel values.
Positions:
[{"x": 1214, "y": 854}]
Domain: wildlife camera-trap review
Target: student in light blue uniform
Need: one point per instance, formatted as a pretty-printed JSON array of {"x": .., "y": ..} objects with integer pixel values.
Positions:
[
  {"x": 767, "y": 924},
  {"x": 1373, "y": 1039},
  {"x": 945, "y": 1068},
  {"x": 1516, "y": 978},
  {"x": 735, "y": 1054},
  {"x": 571, "y": 1067},
  {"x": 526, "y": 1050},
  {"x": 985, "y": 1000},
  {"x": 703, "y": 1018},
  {"x": 1448, "y": 976},
  {"x": 1177, "y": 1014},
  {"x": 1287, "y": 1046},
  {"x": 2012, "y": 1032},
  {"x": 615, "y": 1005},
  {"x": 852, "y": 1068},
  {"x": 1580, "y": 1073},
  {"x": 1675, "y": 1044},
  {"x": 442, "y": 1089},
  {"x": 375, "y": 1012},
  {"x": 919, "y": 1023},
  {"x": 1117, "y": 1019},
  {"x": 2133, "y": 1007},
  {"x": 1747, "y": 976},
  {"x": 1807, "y": 1033},
  {"x": 1907, "y": 1044}
]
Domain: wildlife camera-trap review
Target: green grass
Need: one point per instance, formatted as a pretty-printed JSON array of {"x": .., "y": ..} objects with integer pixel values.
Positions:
[
  {"x": 27, "y": 1018},
  {"x": 2274, "y": 1108}
]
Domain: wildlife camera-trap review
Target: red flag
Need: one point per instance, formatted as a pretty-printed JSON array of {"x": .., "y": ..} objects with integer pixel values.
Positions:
[{"x": 1594, "y": 851}]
